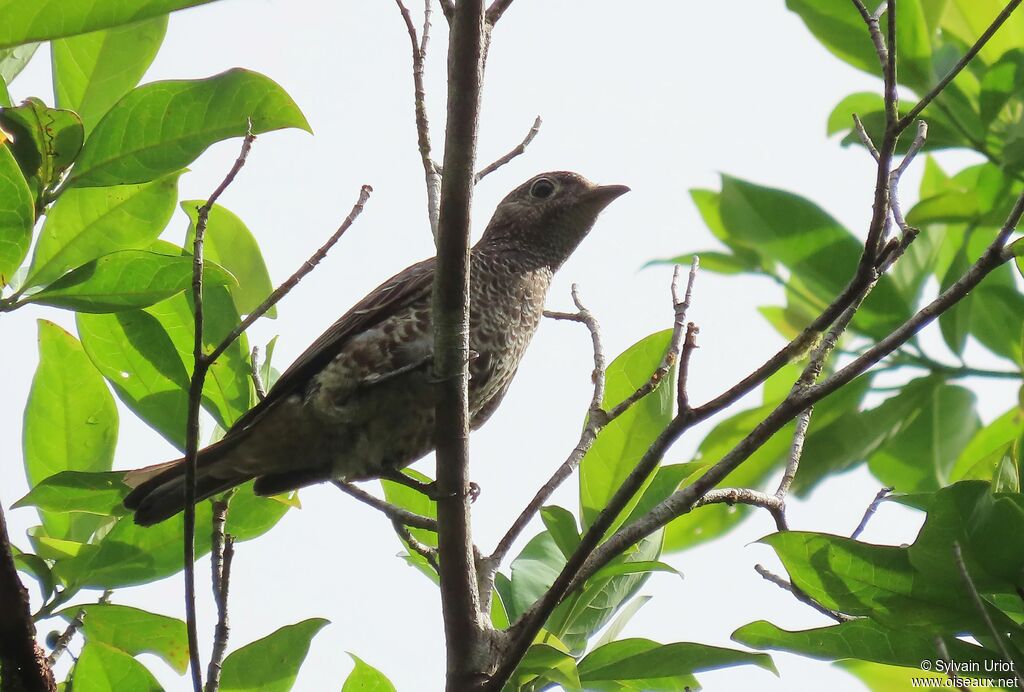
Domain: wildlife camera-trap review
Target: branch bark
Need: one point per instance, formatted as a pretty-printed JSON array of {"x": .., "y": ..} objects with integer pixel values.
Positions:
[
  {"x": 466, "y": 630},
  {"x": 23, "y": 666}
]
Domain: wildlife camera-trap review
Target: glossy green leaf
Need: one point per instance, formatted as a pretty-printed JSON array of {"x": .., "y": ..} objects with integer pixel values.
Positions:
[
  {"x": 921, "y": 455},
  {"x": 533, "y": 572},
  {"x": 543, "y": 666},
  {"x": 861, "y": 639},
  {"x": 102, "y": 668},
  {"x": 229, "y": 243},
  {"x": 873, "y": 580},
  {"x": 36, "y": 566},
  {"x": 878, "y": 676},
  {"x": 995, "y": 437},
  {"x": 89, "y": 223},
  {"x": 134, "y": 631},
  {"x": 870, "y": 108},
  {"x": 126, "y": 280},
  {"x": 92, "y": 71},
  {"x": 45, "y": 141},
  {"x": 366, "y": 678},
  {"x": 130, "y": 554},
  {"x": 709, "y": 205},
  {"x": 14, "y": 59},
  {"x": 968, "y": 19},
  {"x": 161, "y": 127},
  {"x": 138, "y": 358},
  {"x": 710, "y": 260},
  {"x": 78, "y": 491},
  {"x": 623, "y": 442},
  {"x": 17, "y": 216},
  {"x": 840, "y": 28},
  {"x": 561, "y": 524},
  {"x": 272, "y": 663},
  {"x": 815, "y": 247},
  {"x": 251, "y": 515},
  {"x": 45, "y": 19},
  {"x": 649, "y": 665},
  {"x": 70, "y": 420}
]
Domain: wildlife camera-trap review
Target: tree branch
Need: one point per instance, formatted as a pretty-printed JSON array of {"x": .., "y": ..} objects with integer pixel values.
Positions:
[
  {"x": 799, "y": 594},
  {"x": 23, "y": 666},
  {"x": 466, "y": 630},
  {"x": 870, "y": 512},
  {"x": 221, "y": 555},
  {"x": 517, "y": 151},
  {"x": 497, "y": 9},
  {"x": 389, "y": 510}
]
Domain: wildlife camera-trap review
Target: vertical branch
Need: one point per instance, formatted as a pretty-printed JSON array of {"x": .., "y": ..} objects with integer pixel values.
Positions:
[
  {"x": 23, "y": 664},
  {"x": 463, "y": 619},
  {"x": 195, "y": 396},
  {"x": 221, "y": 554}
]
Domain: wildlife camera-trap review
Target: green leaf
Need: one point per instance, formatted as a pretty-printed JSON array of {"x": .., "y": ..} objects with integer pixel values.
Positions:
[
  {"x": 45, "y": 141},
  {"x": 544, "y": 666},
  {"x": 45, "y": 19},
  {"x": 561, "y": 524},
  {"x": 13, "y": 60},
  {"x": 230, "y": 244},
  {"x": 874, "y": 580},
  {"x": 78, "y": 491},
  {"x": 815, "y": 247},
  {"x": 861, "y": 639},
  {"x": 620, "y": 445},
  {"x": 139, "y": 360},
  {"x": 414, "y": 501},
  {"x": 130, "y": 554},
  {"x": 134, "y": 632},
  {"x": 252, "y": 515},
  {"x": 878, "y": 676},
  {"x": 102, "y": 668},
  {"x": 17, "y": 216},
  {"x": 994, "y": 437},
  {"x": 533, "y": 572},
  {"x": 968, "y": 19},
  {"x": 38, "y": 568},
  {"x": 710, "y": 260},
  {"x": 272, "y": 663},
  {"x": 89, "y": 223},
  {"x": 125, "y": 280},
  {"x": 840, "y": 28},
  {"x": 92, "y": 71},
  {"x": 366, "y": 678},
  {"x": 653, "y": 666},
  {"x": 921, "y": 455},
  {"x": 870, "y": 108},
  {"x": 161, "y": 127},
  {"x": 70, "y": 421}
]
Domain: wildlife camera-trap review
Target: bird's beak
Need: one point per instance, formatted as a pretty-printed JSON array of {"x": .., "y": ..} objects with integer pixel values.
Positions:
[{"x": 604, "y": 195}]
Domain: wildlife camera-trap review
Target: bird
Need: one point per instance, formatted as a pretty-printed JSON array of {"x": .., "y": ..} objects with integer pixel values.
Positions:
[{"x": 359, "y": 403}]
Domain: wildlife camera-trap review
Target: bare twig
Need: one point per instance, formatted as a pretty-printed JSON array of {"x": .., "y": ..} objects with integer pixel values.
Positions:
[
  {"x": 775, "y": 505},
  {"x": 425, "y": 551},
  {"x": 973, "y": 51},
  {"x": 979, "y": 604},
  {"x": 221, "y": 555},
  {"x": 940, "y": 646},
  {"x": 293, "y": 280},
  {"x": 682, "y": 381},
  {"x": 61, "y": 645},
  {"x": 799, "y": 593},
  {"x": 431, "y": 174},
  {"x": 396, "y": 514},
  {"x": 254, "y": 372},
  {"x": 195, "y": 395},
  {"x": 22, "y": 661},
  {"x": 864, "y": 137},
  {"x": 870, "y": 512},
  {"x": 497, "y": 9},
  {"x": 517, "y": 151},
  {"x": 894, "y": 176},
  {"x": 468, "y": 635}
]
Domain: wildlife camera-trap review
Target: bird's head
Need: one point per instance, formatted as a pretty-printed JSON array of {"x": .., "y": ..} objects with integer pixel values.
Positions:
[{"x": 546, "y": 217}]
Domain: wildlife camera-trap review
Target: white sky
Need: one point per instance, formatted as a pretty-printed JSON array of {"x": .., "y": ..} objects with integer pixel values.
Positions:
[{"x": 660, "y": 96}]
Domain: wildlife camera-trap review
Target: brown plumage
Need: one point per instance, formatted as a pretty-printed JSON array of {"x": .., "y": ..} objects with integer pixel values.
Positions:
[{"x": 359, "y": 402}]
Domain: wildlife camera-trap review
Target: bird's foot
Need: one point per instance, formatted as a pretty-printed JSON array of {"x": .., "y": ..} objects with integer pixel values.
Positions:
[{"x": 431, "y": 489}]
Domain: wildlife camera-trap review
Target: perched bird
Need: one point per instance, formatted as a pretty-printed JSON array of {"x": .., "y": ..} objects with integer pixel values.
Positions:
[{"x": 359, "y": 403}]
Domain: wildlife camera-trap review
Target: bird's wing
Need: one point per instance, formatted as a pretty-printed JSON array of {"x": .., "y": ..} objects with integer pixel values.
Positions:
[{"x": 409, "y": 285}]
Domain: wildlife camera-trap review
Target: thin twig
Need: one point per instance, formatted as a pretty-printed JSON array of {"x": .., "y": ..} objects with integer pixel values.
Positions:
[
  {"x": 682, "y": 381},
  {"x": 61, "y": 645},
  {"x": 775, "y": 505},
  {"x": 870, "y": 512},
  {"x": 422, "y": 549},
  {"x": 221, "y": 555},
  {"x": 894, "y": 176},
  {"x": 195, "y": 395},
  {"x": 293, "y": 280},
  {"x": 973, "y": 51},
  {"x": 417, "y": 521},
  {"x": 799, "y": 593},
  {"x": 431, "y": 174},
  {"x": 864, "y": 137},
  {"x": 517, "y": 151},
  {"x": 254, "y": 372},
  {"x": 940, "y": 646},
  {"x": 979, "y": 604}
]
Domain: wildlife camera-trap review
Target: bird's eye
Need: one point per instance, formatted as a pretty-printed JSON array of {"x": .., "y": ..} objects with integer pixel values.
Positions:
[{"x": 542, "y": 188}]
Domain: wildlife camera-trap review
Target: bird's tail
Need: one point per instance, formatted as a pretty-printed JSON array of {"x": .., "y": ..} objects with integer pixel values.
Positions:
[{"x": 159, "y": 490}]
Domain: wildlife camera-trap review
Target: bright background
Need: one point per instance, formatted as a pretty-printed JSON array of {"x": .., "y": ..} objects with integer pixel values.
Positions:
[{"x": 661, "y": 96}]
